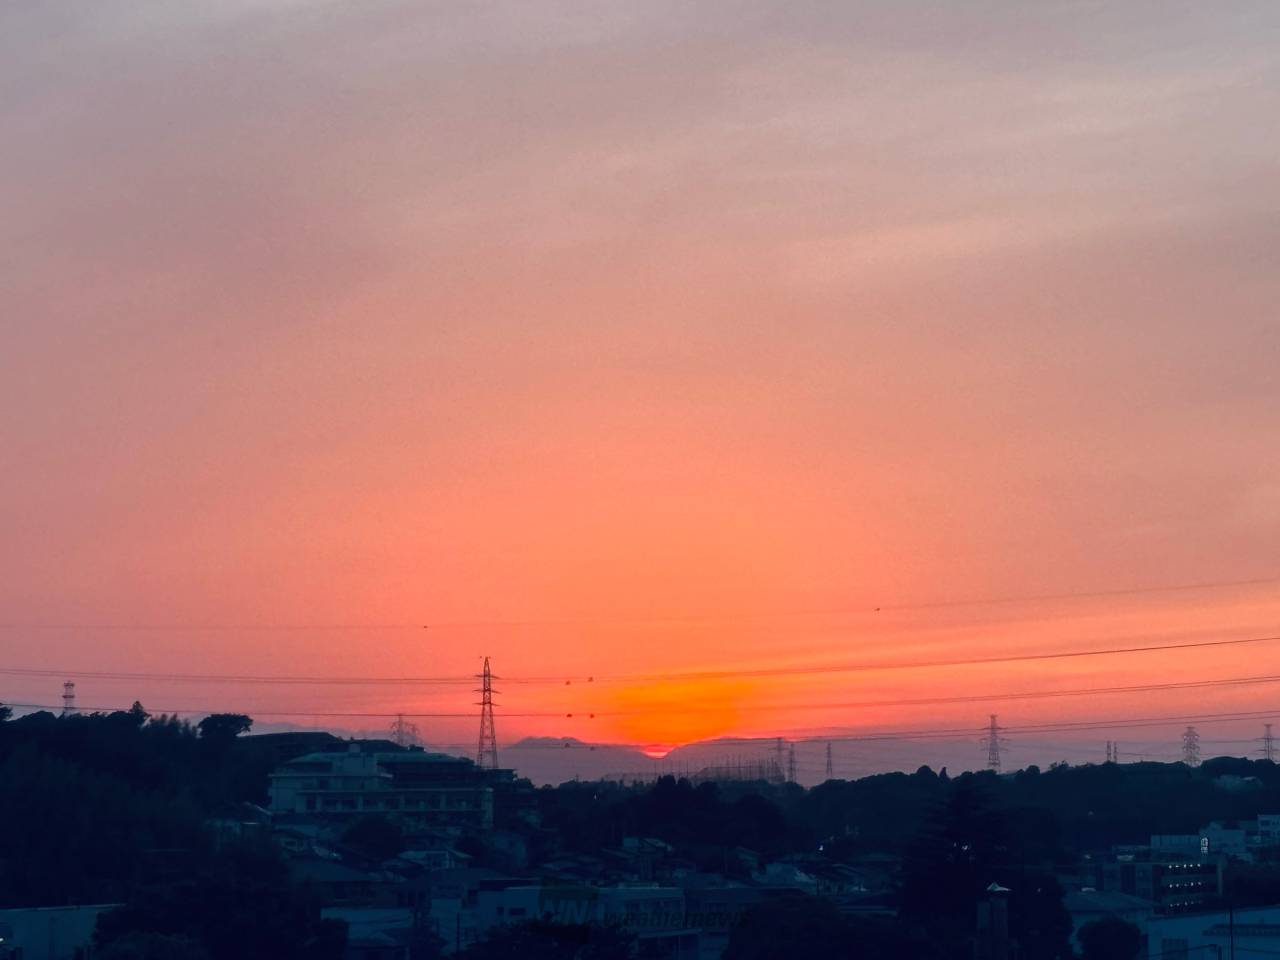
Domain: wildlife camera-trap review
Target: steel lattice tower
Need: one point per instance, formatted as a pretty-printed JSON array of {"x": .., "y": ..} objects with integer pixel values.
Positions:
[
  {"x": 1268, "y": 744},
  {"x": 830, "y": 766},
  {"x": 404, "y": 733},
  {"x": 487, "y": 752},
  {"x": 791, "y": 763},
  {"x": 1191, "y": 747},
  {"x": 68, "y": 699},
  {"x": 994, "y": 744}
]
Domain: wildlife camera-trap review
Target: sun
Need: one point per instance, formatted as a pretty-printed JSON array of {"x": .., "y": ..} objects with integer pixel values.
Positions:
[{"x": 668, "y": 714}]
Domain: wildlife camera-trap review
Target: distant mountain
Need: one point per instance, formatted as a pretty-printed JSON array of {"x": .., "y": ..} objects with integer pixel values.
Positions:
[{"x": 553, "y": 760}]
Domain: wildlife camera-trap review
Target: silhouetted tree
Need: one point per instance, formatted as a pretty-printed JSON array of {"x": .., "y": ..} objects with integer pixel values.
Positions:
[
  {"x": 1109, "y": 938},
  {"x": 224, "y": 726},
  {"x": 789, "y": 927},
  {"x": 238, "y": 907}
]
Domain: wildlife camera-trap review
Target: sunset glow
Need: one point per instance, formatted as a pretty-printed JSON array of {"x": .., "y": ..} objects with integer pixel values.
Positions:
[{"x": 713, "y": 374}]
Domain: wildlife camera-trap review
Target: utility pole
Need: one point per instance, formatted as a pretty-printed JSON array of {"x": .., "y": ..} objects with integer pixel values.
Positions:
[
  {"x": 831, "y": 773},
  {"x": 487, "y": 751},
  {"x": 994, "y": 744},
  {"x": 1191, "y": 747},
  {"x": 1268, "y": 744}
]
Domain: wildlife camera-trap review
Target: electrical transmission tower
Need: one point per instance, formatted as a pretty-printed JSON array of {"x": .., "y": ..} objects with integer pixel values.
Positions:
[
  {"x": 1268, "y": 744},
  {"x": 404, "y": 733},
  {"x": 831, "y": 773},
  {"x": 994, "y": 744},
  {"x": 487, "y": 752},
  {"x": 1113, "y": 752},
  {"x": 791, "y": 763},
  {"x": 1191, "y": 747},
  {"x": 68, "y": 699}
]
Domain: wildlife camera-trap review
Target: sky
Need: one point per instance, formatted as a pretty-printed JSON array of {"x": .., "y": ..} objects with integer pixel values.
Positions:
[{"x": 626, "y": 341}]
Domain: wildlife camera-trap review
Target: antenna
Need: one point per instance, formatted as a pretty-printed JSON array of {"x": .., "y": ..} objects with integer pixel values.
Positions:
[
  {"x": 830, "y": 768},
  {"x": 68, "y": 699},
  {"x": 994, "y": 744},
  {"x": 487, "y": 752},
  {"x": 1268, "y": 744},
  {"x": 1191, "y": 747},
  {"x": 791, "y": 763}
]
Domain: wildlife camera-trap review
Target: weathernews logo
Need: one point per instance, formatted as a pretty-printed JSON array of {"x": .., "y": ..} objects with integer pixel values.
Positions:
[
  {"x": 582, "y": 905},
  {"x": 567, "y": 903}
]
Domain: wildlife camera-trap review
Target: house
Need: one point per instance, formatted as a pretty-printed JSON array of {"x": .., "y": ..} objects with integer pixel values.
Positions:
[{"x": 1255, "y": 932}]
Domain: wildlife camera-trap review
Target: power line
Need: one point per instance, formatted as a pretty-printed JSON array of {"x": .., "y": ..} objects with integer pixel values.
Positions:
[
  {"x": 236, "y": 678},
  {"x": 288, "y": 713},
  {"x": 1068, "y": 726},
  {"x": 866, "y": 666},
  {"x": 921, "y": 664},
  {"x": 868, "y": 608},
  {"x": 982, "y": 698},
  {"x": 857, "y": 704},
  {"x": 973, "y": 698},
  {"x": 875, "y": 736}
]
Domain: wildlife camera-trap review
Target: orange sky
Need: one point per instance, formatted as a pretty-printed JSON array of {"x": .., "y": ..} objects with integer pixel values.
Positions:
[{"x": 608, "y": 338}]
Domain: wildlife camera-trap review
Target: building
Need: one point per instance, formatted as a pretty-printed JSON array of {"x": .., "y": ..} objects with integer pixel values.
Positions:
[
  {"x": 1255, "y": 932},
  {"x": 1241, "y": 839},
  {"x": 1174, "y": 884},
  {"x": 49, "y": 933},
  {"x": 423, "y": 789}
]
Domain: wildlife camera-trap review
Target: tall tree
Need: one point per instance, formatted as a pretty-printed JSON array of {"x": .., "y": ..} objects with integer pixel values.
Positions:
[{"x": 224, "y": 727}]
